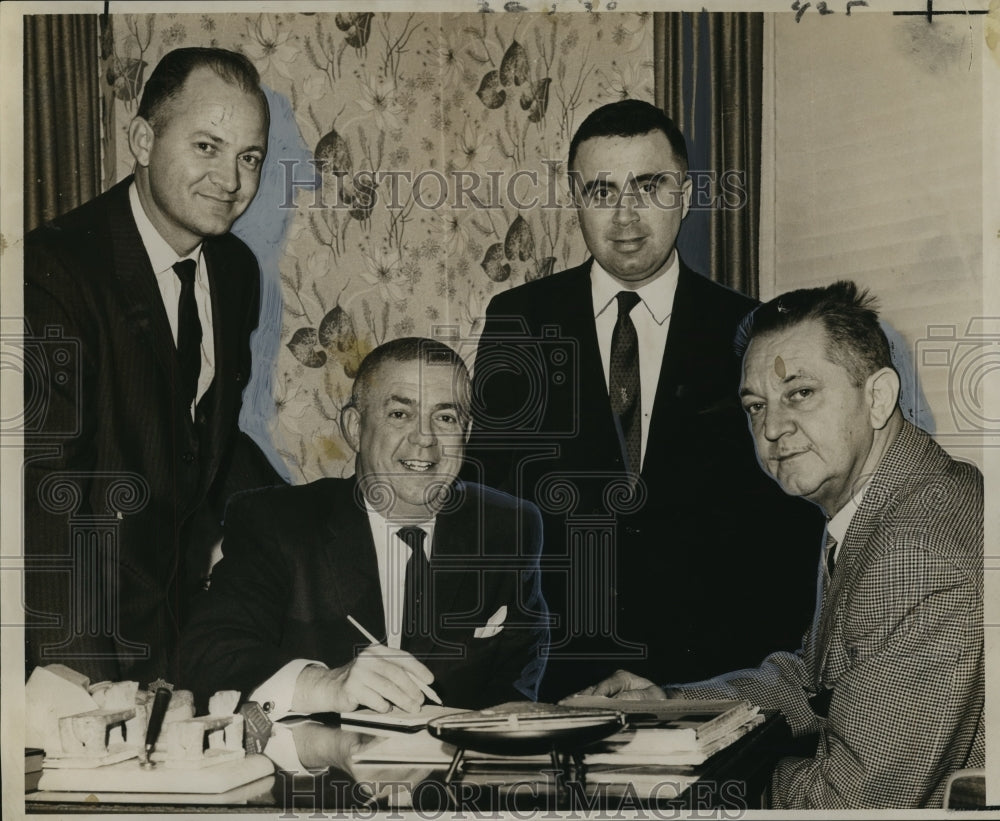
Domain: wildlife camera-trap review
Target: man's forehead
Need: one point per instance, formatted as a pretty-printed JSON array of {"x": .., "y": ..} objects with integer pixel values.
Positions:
[
  {"x": 216, "y": 99},
  {"x": 620, "y": 156},
  {"x": 779, "y": 355},
  {"x": 415, "y": 377}
]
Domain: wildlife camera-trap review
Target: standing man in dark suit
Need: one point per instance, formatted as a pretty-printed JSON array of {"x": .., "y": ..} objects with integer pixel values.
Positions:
[
  {"x": 607, "y": 395},
  {"x": 891, "y": 672},
  {"x": 155, "y": 301},
  {"x": 444, "y": 573}
]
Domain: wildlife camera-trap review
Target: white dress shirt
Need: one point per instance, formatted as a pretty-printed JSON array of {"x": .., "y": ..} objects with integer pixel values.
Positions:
[
  {"x": 162, "y": 258},
  {"x": 392, "y": 554},
  {"x": 837, "y": 526},
  {"x": 651, "y": 317}
]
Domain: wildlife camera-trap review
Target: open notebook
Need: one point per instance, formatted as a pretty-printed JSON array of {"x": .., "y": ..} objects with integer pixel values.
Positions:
[{"x": 399, "y": 719}]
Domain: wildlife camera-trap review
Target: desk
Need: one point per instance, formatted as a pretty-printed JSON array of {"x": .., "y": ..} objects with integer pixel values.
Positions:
[{"x": 734, "y": 779}]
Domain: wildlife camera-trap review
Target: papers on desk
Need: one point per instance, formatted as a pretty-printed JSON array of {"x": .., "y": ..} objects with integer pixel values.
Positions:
[
  {"x": 647, "y": 746},
  {"x": 689, "y": 734},
  {"x": 412, "y": 748},
  {"x": 397, "y": 719},
  {"x": 674, "y": 732}
]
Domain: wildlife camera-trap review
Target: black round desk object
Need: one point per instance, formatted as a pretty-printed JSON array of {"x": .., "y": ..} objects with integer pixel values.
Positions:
[{"x": 526, "y": 728}]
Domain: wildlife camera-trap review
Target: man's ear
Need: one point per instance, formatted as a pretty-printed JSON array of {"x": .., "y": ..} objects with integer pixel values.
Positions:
[
  {"x": 140, "y": 140},
  {"x": 686, "y": 187},
  {"x": 350, "y": 426},
  {"x": 882, "y": 393}
]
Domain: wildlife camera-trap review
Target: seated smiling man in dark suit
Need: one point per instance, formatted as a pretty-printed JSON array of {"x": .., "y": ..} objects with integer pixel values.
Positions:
[{"x": 297, "y": 561}]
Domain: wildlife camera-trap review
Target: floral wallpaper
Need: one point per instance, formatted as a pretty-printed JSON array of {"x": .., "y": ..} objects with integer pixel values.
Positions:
[{"x": 416, "y": 167}]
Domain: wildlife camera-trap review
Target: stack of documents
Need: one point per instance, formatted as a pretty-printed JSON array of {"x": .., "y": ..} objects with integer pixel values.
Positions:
[{"x": 671, "y": 732}]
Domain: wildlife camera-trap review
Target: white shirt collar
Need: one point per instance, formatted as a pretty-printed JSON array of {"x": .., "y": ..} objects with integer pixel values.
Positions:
[
  {"x": 657, "y": 295},
  {"x": 380, "y": 524},
  {"x": 837, "y": 526},
  {"x": 161, "y": 255}
]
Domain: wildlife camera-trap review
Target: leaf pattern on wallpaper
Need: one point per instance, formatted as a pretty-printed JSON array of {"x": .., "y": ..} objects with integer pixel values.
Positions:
[
  {"x": 387, "y": 91},
  {"x": 519, "y": 243},
  {"x": 336, "y": 330},
  {"x": 537, "y": 102},
  {"x": 126, "y": 84},
  {"x": 336, "y": 339},
  {"x": 363, "y": 199},
  {"x": 337, "y": 335},
  {"x": 358, "y": 26},
  {"x": 333, "y": 158},
  {"x": 545, "y": 267},
  {"x": 514, "y": 66},
  {"x": 303, "y": 347},
  {"x": 490, "y": 90},
  {"x": 493, "y": 263}
]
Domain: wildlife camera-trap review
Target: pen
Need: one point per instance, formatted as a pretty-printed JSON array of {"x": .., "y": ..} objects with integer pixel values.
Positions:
[
  {"x": 156, "y": 714},
  {"x": 425, "y": 689}
]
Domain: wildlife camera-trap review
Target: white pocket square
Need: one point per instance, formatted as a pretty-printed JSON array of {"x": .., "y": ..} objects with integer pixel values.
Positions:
[{"x": 493, "y": 625}]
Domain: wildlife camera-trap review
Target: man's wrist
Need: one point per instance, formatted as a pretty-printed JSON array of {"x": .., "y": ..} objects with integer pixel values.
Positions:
[{"x": 311, "y": 686}]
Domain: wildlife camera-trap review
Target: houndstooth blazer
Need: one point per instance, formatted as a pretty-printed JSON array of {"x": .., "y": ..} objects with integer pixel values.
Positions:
[{"x": 897, "y": 640}]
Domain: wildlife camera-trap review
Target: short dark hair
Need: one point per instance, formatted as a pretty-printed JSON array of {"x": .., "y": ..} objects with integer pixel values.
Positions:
[
  {"x": 629, "y": 118},
  {"x": 408, "y": 349},
  {"x": 172, "y": 71},
  {"x": 854, "y": 338}
]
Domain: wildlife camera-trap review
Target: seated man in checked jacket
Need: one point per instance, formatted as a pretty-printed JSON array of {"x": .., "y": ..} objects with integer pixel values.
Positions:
[{"x": 891, "y": 671}]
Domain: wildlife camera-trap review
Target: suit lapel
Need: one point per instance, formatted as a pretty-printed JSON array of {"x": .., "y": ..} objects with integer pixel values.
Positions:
[
  {"x": 451, "y": 589},
  {"x": 350, "y": 550},
  {"x": 578, "y": 310},
  {"x": 830, "y": 594},
  {"x": 451, "y": 535},
  {"x": 683, "y": 313},
  {"x": 900, "y": 463},
  {"x": 225, "y": 337},
  {"x": 140, "y": 294},
  {"x": 687, "y": 323}
]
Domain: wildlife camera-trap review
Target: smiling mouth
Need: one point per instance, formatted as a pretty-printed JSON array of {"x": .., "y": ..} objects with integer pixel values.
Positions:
[{"x": 418, "y": 465}]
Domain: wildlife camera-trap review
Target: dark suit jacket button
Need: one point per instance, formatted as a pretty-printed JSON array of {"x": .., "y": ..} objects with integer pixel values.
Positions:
[{"x": 188, "y": 457}]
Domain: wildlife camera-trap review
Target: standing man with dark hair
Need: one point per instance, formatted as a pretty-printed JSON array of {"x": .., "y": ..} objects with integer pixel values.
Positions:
[
  {"x": 607, "y": 394},
  {"x": 891, "y": 672},
  {"x": 158, "y": 300}
]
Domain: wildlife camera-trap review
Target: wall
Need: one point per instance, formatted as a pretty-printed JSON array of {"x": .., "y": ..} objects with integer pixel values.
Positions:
[
  {"x": 450, "y": 95},
  {"x": 877, "y": 176}
]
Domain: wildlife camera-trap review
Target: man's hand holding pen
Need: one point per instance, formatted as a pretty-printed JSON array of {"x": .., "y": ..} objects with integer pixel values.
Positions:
[{"x": 378, "y": 678}]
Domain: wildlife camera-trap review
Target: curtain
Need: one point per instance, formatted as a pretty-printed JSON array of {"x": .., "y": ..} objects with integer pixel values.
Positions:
[
  {"x": 708, "y": 80},
  {"x": 62, "y": 157}
]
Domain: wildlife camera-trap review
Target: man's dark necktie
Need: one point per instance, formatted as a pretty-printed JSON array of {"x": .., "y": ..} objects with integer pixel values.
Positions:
[
  {"x": 820, "y": 702},
  {"x": 416, "y": 598},
  {"x": 831, "y": 547},
  {"x": 188, "y": 332},
  {"x": 624, "y": 379}
]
